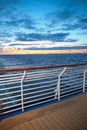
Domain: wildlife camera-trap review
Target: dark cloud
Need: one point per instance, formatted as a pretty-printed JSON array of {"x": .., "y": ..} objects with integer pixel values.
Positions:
[
  {"x": 83, "y": 20},
  {"x": 59, "y": 17},
  {"x": 68, "y": 27},
  {"x": 16, "y": 44},
  {"x": 57, "y": 37},
  {"x": 80, "y": 24},
  {"x": 56, "y": 48},
  {"x": 71, "y": 40},
  {"x": 83, "y": 23},
  {"x": 27, "y": 23}
]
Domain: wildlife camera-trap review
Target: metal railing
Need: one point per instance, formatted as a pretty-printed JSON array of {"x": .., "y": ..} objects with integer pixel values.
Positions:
[{"x": 28, "y": 87}]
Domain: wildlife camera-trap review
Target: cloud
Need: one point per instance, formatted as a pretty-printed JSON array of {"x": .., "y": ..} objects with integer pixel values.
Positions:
[
  {"x": 83, "y": 23},
  {"x": 80, "y": 24},
  {"x": 69, "y": 27},
  {"x": 57, "y": 37},
  {"x": 25, "y": 22},
  {"x": 56, "y": 48},
  {"x": 71, "y": 40}
]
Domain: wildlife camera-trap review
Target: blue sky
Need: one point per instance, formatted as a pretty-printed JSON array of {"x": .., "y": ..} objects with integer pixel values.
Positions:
[{"x": 43, "y": 24}]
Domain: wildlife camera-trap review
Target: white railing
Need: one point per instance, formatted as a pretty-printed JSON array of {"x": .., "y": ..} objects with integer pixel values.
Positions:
[{"x": 27, "y": 87}]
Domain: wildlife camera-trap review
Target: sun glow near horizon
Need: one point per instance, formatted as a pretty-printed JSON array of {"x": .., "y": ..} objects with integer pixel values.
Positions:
[{"x": 43, "y": 51}]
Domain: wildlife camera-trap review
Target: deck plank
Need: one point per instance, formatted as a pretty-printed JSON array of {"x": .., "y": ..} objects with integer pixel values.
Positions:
[
  {"x": 57, "y": 121},
  {"x": 35, "y": 125},
  {"x": 48, "y": 123},
  {"x": 29, "y": 126},
  {"x": 16, "y": 128},
  {"x": 41, "y": 124},
  {"x": 23, "y": 127},
  {"x": 52, "y": 121}
]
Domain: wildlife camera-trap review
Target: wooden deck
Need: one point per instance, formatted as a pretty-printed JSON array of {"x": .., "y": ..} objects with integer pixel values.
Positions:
[{"x": 70, "y": 114}]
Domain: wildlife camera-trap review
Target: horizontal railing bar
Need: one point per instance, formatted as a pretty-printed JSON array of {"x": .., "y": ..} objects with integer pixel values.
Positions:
[
  {"x": 38, "y": 99},
  {"x": 11, "y": 110},
  {"x": 36, "y": 79},
  {"x": 44, "y": 86},
  {"x": 10, "y": 92},
  {"x": 11, "y": 106},
  {"x": 42, "y": 67},
  {"x": 39, "y": 91},
  {"x": 38, "y": 95},
  {"x": 11, "y": 101},
  {"x": 71, "y": 80},
  {"x": 75, "y": 69},
  {"x": 11, "y": 97},
  {"x": 73, "y": 85},
  {"x": 11, "y": 82},
  {"x": 39, "y": 103},
  {"x": 10, "y": 88},
  {"x": 9, "y": 75},
  {"x": 71, "y": 93},
  {"x": 42, "y": 76},
  {"x": 12, "y": 78},
  {"x": 76, "y": 86},
  {"x": 41, "y": 82},
  {"x": 71, "y": 90},
  {"x": 72, "y": 73}
]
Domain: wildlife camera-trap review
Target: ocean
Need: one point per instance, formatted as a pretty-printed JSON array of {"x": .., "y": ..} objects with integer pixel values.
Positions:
[{"x": 32, "y": 60}]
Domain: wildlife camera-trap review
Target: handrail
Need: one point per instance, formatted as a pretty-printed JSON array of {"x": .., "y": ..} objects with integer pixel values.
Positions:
[{"x": 39, "y": 67}]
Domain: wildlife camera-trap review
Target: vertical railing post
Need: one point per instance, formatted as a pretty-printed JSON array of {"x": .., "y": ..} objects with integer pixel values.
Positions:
[
  {"x": 22, "y": 101},
  {"x": 84, "y": 77},
  {"x": 57, "y": 92}
]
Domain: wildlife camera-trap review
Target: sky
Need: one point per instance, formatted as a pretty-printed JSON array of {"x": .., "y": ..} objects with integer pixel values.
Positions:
[{"x": 27, "y": 25}]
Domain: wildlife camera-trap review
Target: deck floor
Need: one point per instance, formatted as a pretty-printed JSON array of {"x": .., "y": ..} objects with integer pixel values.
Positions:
[{"x": 70, "y": 114}]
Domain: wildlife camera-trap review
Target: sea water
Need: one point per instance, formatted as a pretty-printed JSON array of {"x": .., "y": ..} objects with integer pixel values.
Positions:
[{"x": 32, "y": 60}]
